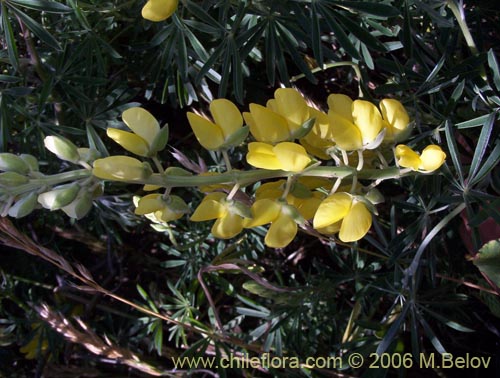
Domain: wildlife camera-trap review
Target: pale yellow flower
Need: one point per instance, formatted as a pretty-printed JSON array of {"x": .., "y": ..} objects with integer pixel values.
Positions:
[
  {"x": 159, "y": 10},
  {"x": 432, "y": 158},
  {"x": 287, "y": 156}
]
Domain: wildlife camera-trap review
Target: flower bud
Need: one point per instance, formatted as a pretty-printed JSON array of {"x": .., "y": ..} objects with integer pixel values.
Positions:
[
  {"x": 59, "y": 197},
  {"x": 24, "y": 206},
  {"x": 80, "y": 206},
  {"x": 12, "y": 179},
  {"x": 121, "y": 168},
  {"x": 62, "y": 148},
  {"x": 88, "y": 154},
  {"x": 13, "y": 163},
  {"x": 31, "y": 161}
]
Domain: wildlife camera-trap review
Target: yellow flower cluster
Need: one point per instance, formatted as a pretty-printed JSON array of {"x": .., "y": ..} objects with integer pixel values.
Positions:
[{"x": 289, "y": 136}]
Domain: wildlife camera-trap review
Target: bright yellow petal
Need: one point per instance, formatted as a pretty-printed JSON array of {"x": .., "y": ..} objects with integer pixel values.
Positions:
[
  {"x": 120, "y": 168},
  {"x": 307, "y": 207},
  {"x": 368, "y": 120},
  {"x": 347, "y": 136},
  {"x": 130, "y": 141},
  {"x": 210, "y": 208},
  {"x": 356, "y": 223},
  {"x": 261, "y": 155},
  {"x": 407, "y": 158},
  {"x": 432, "y": 158},
  {"x": 281, "y": 233},
  {"x": 292, "y": 156},
  {"x": 263, "y": 211},
  {"x": 208, "y": 133},
  {"x": 228, "y": 226},
  {"x": 331, "y": 229},
  {"x": 292, "y": 106},
  {"x": 333, "y": 208},
  {"x": 340, "y": 104},
  {"x": 142, "y": 123},
  {"x": 149, "y": 204},
  {"x": 395, "y": 114},
  {"x": 159, "y": 10},
  {"x": 227, "y": 116},
  {"x": 266, "y": 125}
]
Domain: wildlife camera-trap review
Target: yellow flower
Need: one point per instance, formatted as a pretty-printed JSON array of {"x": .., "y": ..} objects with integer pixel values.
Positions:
[
  {"x": 160, "y": 209},
  {"x": 229, "y": 216},
  {"x": 121, "y": 168},
  {"x": 355, "y": 124},
  {"x": 145, "y": 129},
  {"x": 396, "y": 120},
  {"x": 342, "y": 212},
  {"x": 228, "y": 123},
  {"x": 432, "y": 158},
  {"x": 320, "y": 138},
  {"x": 282, "y": 218},
  {"x": 287, "y": 156},
  {"x": 281, "y": 120},
  {"x": 159, "y": 10},
  {"x": 300, "y": 196}
]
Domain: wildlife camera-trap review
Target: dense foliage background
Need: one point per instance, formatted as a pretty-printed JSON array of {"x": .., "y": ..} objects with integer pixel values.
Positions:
[{"x": 416, "y": 284}]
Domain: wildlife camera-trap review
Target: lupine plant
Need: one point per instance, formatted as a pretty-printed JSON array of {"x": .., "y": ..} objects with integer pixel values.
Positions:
[{"x": 214, "y": 178}]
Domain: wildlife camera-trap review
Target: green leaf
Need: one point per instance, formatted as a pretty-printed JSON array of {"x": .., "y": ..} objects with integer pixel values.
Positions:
[
  {"x": 9, "y": 38},
  {"x": 487, "y": 260},
  {"x": 452, "y": 146},
  {"x": 362, "y": 34},
  {"x": 37, "y": 29},
  {"x": 482, "y": 144},
  {"x": 374, "y": 8},
  {"x": 492, "y": 62},
  {"x": 475, "y": 122},
  {"x": 43, "y": 5},
  {"x": 339, "y": 33}
]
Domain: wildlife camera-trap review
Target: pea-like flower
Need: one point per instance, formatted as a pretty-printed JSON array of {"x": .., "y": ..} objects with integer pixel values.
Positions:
[
  {"x": 300, "y": 196},
  {"x": 343, "y": 212},
  {"x": 226, "y": 131},
  {"x": 396, "y": 120},
  {"x": 287, "y": 156},
  {"x": 160, "y": 209},
  {"x": 159, "y": 10},
  {"x": 431, "y": 158},
  {"x": 146, "y": 139},
  {"x": 121, "y": 168},
  {"x": 229, "y": 215},
  {"x": 283, "y": 219},
  {"x": 281, "y": 120},
  {"x": 356, "y": 125},
  {"x": 320, "y": 138}
]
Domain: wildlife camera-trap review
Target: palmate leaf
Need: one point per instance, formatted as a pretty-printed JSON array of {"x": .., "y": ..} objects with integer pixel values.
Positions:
[
  {"x": 36, "y": 29},
  {"x": 43, "y": 5}
]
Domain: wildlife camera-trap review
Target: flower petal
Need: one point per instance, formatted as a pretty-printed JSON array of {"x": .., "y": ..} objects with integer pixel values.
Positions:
[
  {"x": 341, "y": 104},
  {"x": 263, "y": 211},
  {"x": 208, "y": 133},
  {"x": 228, "y": 226},
  {"x": 333, "y": 208},
  {"x": 210, "y": 208},
  {"x": 142, "y": 122},
  {"x": 266, "y": 125},
  {"x": 281, "y": 233},
  {"x": 149, "y": 204},
  {"x": 368, "y": 120},
  {"x": 130, "y": 141},
  {"x": 120, "y": 168},
  {"x": 356, "y": 223},
  {"x": 292, "y": 106},
  {"x": 227, "y": 116},
  {"x": 261, "y": 155},
  {"x": 407, "y": 158},
  {"x": 292, "y": 156},
  {"x": 347, "y": 135},
  {"x": 432, "y": 158},
  {"x": 395, "y": 114},
  {"x": 159, "y": 10}
]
